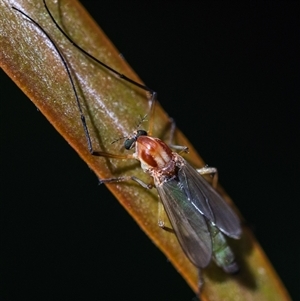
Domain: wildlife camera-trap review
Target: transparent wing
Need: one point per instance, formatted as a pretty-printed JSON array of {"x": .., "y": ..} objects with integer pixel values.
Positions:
[
  {"x": 188, "y": 223},
  {"x": 207, "y": 201}
]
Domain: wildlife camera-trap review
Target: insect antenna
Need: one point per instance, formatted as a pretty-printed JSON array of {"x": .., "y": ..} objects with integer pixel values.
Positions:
[{"x": 118, "y": 139}]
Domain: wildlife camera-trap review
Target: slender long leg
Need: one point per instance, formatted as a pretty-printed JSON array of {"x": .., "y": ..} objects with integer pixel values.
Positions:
[
  {"x": 125, "y": 179},
  {"x": 178, "y": 148},
  {"x": 161, "y": 218},
  {"x": 82, "y": 117},
  {"x": 151, "y": 114}
]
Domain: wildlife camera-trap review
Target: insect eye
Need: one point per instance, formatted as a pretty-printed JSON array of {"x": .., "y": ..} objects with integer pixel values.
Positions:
[
  {"x": 141, "y": 133},
  {"x": 128, "y": 144}
]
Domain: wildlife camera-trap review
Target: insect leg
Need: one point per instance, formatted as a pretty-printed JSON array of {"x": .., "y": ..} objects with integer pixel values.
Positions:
[
  {"x": 161, "y": 218},
  {"x": 151, "y": 114},
  {"x": 210, "y": 171},
  {"x": 82, "y": 117},
  {"x": 127, "y": 178},
  {"x": 200, "y": 284},
  {"x": 83, "y": 121},
  {"x": 142, "y": 183},
  {"x": 179, "y": 148},
  {"x": 161, "y": 222}
]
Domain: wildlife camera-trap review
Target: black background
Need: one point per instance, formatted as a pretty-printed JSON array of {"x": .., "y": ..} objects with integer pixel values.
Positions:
[{"x": 227, "y": 73}]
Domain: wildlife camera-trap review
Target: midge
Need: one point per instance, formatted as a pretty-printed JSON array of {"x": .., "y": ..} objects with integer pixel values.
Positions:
[{"x": 199, "y": 216}]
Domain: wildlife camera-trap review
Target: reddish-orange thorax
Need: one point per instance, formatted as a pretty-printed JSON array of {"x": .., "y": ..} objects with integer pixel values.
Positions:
[{"x": 154, "y": 155}]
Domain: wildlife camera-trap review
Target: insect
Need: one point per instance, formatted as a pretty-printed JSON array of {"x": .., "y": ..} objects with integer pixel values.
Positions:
[{"x": 199, "y": 216}]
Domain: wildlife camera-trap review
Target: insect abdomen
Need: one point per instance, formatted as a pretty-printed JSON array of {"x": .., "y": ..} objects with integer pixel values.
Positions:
[{"x": 222, "y": 254}]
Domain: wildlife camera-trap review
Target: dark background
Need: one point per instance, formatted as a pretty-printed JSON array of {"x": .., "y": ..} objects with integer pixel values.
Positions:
[{"x": 227, "y": 73}]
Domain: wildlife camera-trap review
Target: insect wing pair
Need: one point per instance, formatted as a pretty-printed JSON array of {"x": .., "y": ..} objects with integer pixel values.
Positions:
[{"x": 197, "y": 213}]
